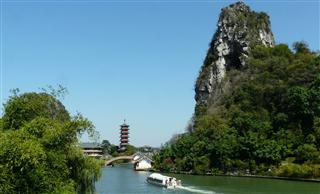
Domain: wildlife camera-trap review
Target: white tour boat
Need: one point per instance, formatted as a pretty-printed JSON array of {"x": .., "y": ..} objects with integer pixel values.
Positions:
[{"x": 164, "y": 181}]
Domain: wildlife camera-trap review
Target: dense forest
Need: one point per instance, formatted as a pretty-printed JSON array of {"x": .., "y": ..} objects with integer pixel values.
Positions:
[
  {"x": 39, "y": 150},
  {"x": 268, "y": 123}
]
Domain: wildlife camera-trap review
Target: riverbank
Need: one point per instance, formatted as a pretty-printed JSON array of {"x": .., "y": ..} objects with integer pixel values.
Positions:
[{"x": 242, "y": 175}]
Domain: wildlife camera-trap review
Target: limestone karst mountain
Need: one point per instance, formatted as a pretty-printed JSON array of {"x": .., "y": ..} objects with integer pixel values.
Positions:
[
  {"x": 239, "y": 29},
  {"x": 258, "y": 105}
]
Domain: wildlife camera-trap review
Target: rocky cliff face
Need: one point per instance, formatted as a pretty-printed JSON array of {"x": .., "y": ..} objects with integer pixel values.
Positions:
[{"x": 239, "y": 29}]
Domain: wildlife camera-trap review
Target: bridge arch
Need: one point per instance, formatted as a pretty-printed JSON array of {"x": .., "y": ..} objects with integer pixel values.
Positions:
[{"x": 109, "y": 162}]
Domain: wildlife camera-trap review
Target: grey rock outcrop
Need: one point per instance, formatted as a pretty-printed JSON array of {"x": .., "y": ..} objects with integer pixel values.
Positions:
[{"x": 239, "y": 29}]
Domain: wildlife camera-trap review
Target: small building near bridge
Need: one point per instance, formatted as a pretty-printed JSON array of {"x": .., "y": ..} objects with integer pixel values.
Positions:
[{"x": 142, "y": 162}]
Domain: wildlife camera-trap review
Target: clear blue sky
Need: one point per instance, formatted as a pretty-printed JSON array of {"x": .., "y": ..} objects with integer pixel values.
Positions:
[{"x": 123, "y": 59}]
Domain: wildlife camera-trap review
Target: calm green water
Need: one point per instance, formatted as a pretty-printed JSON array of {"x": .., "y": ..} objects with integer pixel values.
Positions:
[{"x": 123, "y": 179}]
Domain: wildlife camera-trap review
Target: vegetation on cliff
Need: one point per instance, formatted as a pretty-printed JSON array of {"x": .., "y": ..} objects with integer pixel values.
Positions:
[
  {"x": 268, "y": 123},
  {"x": 39, "y": 151}
]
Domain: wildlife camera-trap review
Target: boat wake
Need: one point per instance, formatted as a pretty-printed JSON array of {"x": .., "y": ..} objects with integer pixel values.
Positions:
[{"x": 194, "y": 190}]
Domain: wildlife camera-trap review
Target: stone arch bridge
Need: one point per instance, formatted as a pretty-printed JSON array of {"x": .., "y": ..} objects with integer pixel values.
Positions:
[{"x": 109, "y": 162}]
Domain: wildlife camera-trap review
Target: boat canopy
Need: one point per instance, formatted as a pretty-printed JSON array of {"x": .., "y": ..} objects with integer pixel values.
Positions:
[
  {"x": 158, "y": 176},
  {"x": 165, "y": 181}
]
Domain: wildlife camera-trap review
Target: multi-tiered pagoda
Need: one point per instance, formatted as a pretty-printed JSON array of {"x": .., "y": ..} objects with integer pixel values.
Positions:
[{"x": 124, "y": 136}]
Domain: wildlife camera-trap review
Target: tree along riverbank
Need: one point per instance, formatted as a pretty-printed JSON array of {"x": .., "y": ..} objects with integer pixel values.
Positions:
[{"x": 39, "y": 149}]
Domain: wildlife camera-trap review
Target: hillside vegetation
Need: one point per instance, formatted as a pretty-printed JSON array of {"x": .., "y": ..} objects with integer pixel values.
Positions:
[{"x": 267, "y": 123}]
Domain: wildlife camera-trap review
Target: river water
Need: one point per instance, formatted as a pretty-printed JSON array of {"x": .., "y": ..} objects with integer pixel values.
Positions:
[{"x": 123, "y": 179}]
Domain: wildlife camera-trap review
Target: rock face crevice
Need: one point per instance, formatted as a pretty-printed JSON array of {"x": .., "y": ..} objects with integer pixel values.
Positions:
[{"x": 239, "y": 29}]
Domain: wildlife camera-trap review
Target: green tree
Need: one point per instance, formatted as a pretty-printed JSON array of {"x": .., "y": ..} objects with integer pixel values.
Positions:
[
  {"x": 39, "y": 151},
  {"x": 20, "y": 109},
  {"x": 106, "y": 146},
  {"x": 301, "y": 47}
]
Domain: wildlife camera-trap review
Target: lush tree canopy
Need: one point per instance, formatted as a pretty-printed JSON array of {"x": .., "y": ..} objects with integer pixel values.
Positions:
[
  {"x": 39, "y": 150},
  {"x": 21, "y": 109},
  {"x": 267, "y": 123}
]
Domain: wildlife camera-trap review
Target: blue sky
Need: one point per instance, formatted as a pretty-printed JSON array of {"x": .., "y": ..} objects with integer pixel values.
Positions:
[{"x": 136, "y": 60}]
